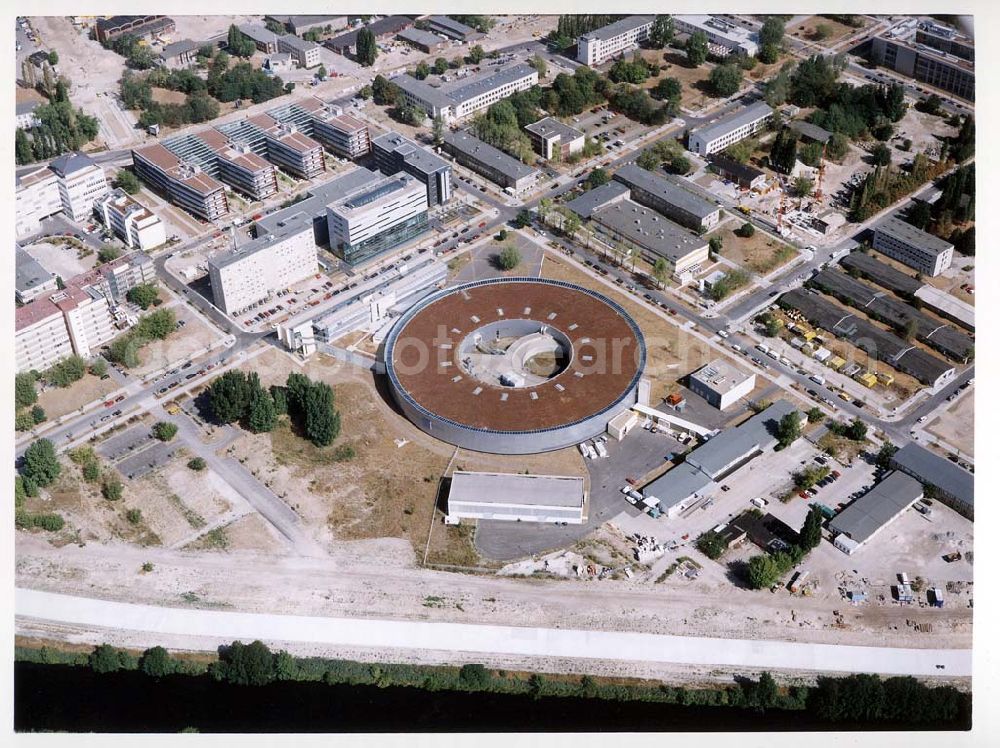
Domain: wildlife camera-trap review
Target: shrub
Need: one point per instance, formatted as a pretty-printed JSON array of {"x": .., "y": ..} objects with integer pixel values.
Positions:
[
  {"x": 164, "y": 431},
  {"x": 711, "y": 544},
  {"x": 197, "y": 464},
  {"x": 134, "y": 516},
  {"x": 746, "y": 230},
  {"x": 112, "y": 488}
]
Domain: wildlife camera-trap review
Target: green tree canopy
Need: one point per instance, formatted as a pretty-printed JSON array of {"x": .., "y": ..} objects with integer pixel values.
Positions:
[
  {"x": 40, "y": 464},
  {"x": 24, "y": 389},
  {"x": 697, "y": 48},
  {"x": 725, "y": 80}
]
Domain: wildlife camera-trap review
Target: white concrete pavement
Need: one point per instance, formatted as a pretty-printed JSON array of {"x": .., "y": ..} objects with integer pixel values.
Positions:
[{"x": 226, "y": 626}]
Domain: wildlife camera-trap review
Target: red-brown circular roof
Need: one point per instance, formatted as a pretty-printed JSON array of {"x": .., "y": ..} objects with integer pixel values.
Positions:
[{"x": 608, "y": 355}]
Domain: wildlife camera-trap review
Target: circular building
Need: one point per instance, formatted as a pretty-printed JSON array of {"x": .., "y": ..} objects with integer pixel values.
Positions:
[{"x": 514, "y": 365}]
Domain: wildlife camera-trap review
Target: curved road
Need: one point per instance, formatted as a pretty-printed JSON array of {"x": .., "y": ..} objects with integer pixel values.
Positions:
[{"x": 226, "y": 626}]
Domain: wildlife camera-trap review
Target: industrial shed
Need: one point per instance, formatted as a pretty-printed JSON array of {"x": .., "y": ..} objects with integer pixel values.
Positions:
[
  {"x": 517, "y": 497},
  {"x": 885, "y": 346},
  {"x": 877, "y": 305},
  {"x": 952, "y": 482},
  {"x": 881, "y": 273},
  {"x": 888, "y": 499}
]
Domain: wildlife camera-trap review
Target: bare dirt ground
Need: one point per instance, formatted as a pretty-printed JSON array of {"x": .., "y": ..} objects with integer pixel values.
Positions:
[
  {"x": 693, "y": 95},
  {"x": 760, "y": 254},
  {"x": 57, "y": 401},
  {"x": 956, "y": 425},
  {"x": 207, "y": 27},
  {"x": 836, "y": 30},
  {"x": 190, "y": 340}
]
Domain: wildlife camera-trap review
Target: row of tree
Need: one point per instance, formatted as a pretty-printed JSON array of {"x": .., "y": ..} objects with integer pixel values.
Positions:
[
  {"x": 237, "y": 396},
  {"x": 501, "y": 126},
  {"x": 859, "y": 699}
]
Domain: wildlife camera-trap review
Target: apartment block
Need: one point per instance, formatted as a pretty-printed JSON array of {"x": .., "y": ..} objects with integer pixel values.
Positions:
[
  {"x": 553, "y": 139},
  {"x": 340, "y": 133},
  {"x": 231, "y": 161},
  {"x": 304, "y": 52},
  {"x": 184, "y": 184},
  {"x": 395, "y": 153},
  {"x": 377, "y": 218},
  {"x": 40, "y": 336},
  {"x": 36, "y": 197},
  {"x": 491, "y": 162},
  {"x": 730, "y": 129},
  {"x": 456, "y": 99},
  {"x": 901, "y": 241},
  {"x": 81, "y": 184},
  {"x": 600, "y": 45},
  {"x": 270, "y": 263},
  {"x": 132, "y": 222},
  {"x": 673, "y": 196},
  {"x": 288, "y": 148}
]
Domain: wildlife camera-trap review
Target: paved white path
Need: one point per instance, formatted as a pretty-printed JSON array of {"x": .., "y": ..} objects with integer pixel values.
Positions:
[{"x": 226, "y": 626}]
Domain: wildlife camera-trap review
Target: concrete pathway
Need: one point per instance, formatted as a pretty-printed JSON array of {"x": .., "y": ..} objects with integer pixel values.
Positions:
[{"x": 226, "y": 626}]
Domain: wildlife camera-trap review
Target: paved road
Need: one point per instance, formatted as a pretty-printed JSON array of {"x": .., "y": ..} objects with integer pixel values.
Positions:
[{"x": 226, "y": 626}]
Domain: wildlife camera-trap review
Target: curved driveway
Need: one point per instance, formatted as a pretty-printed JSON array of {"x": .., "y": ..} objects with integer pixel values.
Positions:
[{"x": 226, "y": 626}]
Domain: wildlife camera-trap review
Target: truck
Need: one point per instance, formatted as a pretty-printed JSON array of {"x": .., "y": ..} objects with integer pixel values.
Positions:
[
  {"x": 762, "y": 347},
  {"x": 937, "y": 597},
  {"x": 601, "y": 449},
  {"x": 818, "y": 379},
  {"x": 798, "y": 580}
]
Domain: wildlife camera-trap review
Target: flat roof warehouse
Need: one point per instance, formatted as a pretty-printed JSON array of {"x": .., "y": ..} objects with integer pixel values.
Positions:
[{"x": 669, "y": 189}]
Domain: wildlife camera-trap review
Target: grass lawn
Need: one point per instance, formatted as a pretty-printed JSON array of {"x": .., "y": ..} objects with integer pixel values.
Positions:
[{"x": 761, "y": 253}]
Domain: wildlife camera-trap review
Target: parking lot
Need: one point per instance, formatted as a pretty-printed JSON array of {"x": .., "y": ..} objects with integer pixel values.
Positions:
[{"x": 148, "y": 460}]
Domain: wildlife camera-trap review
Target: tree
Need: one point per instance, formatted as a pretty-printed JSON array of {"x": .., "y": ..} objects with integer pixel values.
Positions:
[
  {"x": 789, "y": 428},
  {"x": 143, "y": 295},
  {"x": 814, "y": 414},
  {"x": 764, "y": 693},
  {"x": 784, "y": 150},
  {"x": 476, "y": 54},
  {"x": 919, "y": 214},
  {"x": 474, "y": 676},
  {"x": 107, "y": 253},
  {"x": 197, "y": 464},
  {"x": 64, "y": 373},
  {"x": 910, "y": 329},
  {"x": 667, "y": 89},
  {"x": 384, "y": 92},
  {"x": 107, "y": 659},
  {"x": 661, "y": 271},
  {"x": 523, "y": 218},
  {"x": 885, "y": 455},
  {"x": 440, "y": 66},
  {"x": 711, "y": 544},
  {"x": 697, "y": 48},
  {"x": 40, "y": 464},
  {"x": 680, "y": 165},
  {"x": 238, "y": 43},
  {"x": 421, "y": 71},
  {"x": 725, "y": 80},
  {"x": 367, "y": 48},
  {"x": 23, "y": 421},
  {"x": 322, "y": 422},
  {"x": 112, "y": 489},
  {"x": 245, "y": 665},
  {"x": 437, "y": 128},
  {"x": 24, "y": 389},
  {"x": 802, "y": 187},
  {"x": 164, "y": 431},
  {"x": 662, "y": 32},
  {"x": 769, "y": 53},
  {"x": 23, "y": 152},
  {"x": 762, "y": 572},
  {"x": 127, "y": 181},
  {"x": 881, "y": 155},
  {"x": 37, "y": 414},
  {"x": 262, "y": 416},
  {"x": 822, "y": 32},
  {"x": 53, "y": 57},
  {"x": 857, "y": 431},
  {"x": 509, "y": 257},
  {"x": 772, "y": 32},
  {"x": 812, "y": 529},
  {"x": 156, "y": 662},
  {"x": 811, "y": 154},
  {"x": 745, "y": 231},
  {"x": 321, "y": 72},
  {"x": 539, "y": 64},
  {"x": 597, "y": 177},
  {"x": 715, "y": 244},
  {"x": 837, "y": 146},
  {"x": 228, "y": 396}
]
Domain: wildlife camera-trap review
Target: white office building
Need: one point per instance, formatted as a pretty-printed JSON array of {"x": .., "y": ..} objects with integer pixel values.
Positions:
[
  {"x": 609, "y": 41},
  {"x": 133, "y": 223},
  {"x": 303, "y": 51},
  {"x": 730, "y": 129},
  {"x": 460, "y": 98},
  {"x": 81, "y": 184},
  {"x": 273, "y": 262},
  {"x": 721, "y": 383},
  {"x": 36, "y": 197},
  {"x": 724, "y": 37},
  {"x": 906, "y": 243},
  {"x": 377, "y": 217}
]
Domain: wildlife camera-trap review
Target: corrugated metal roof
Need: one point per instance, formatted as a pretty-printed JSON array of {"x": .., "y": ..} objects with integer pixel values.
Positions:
[
  {"x": 513, "y": 488},
  {"x": 937, "y": 471},
  {"x": 871, "y": 512}
]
